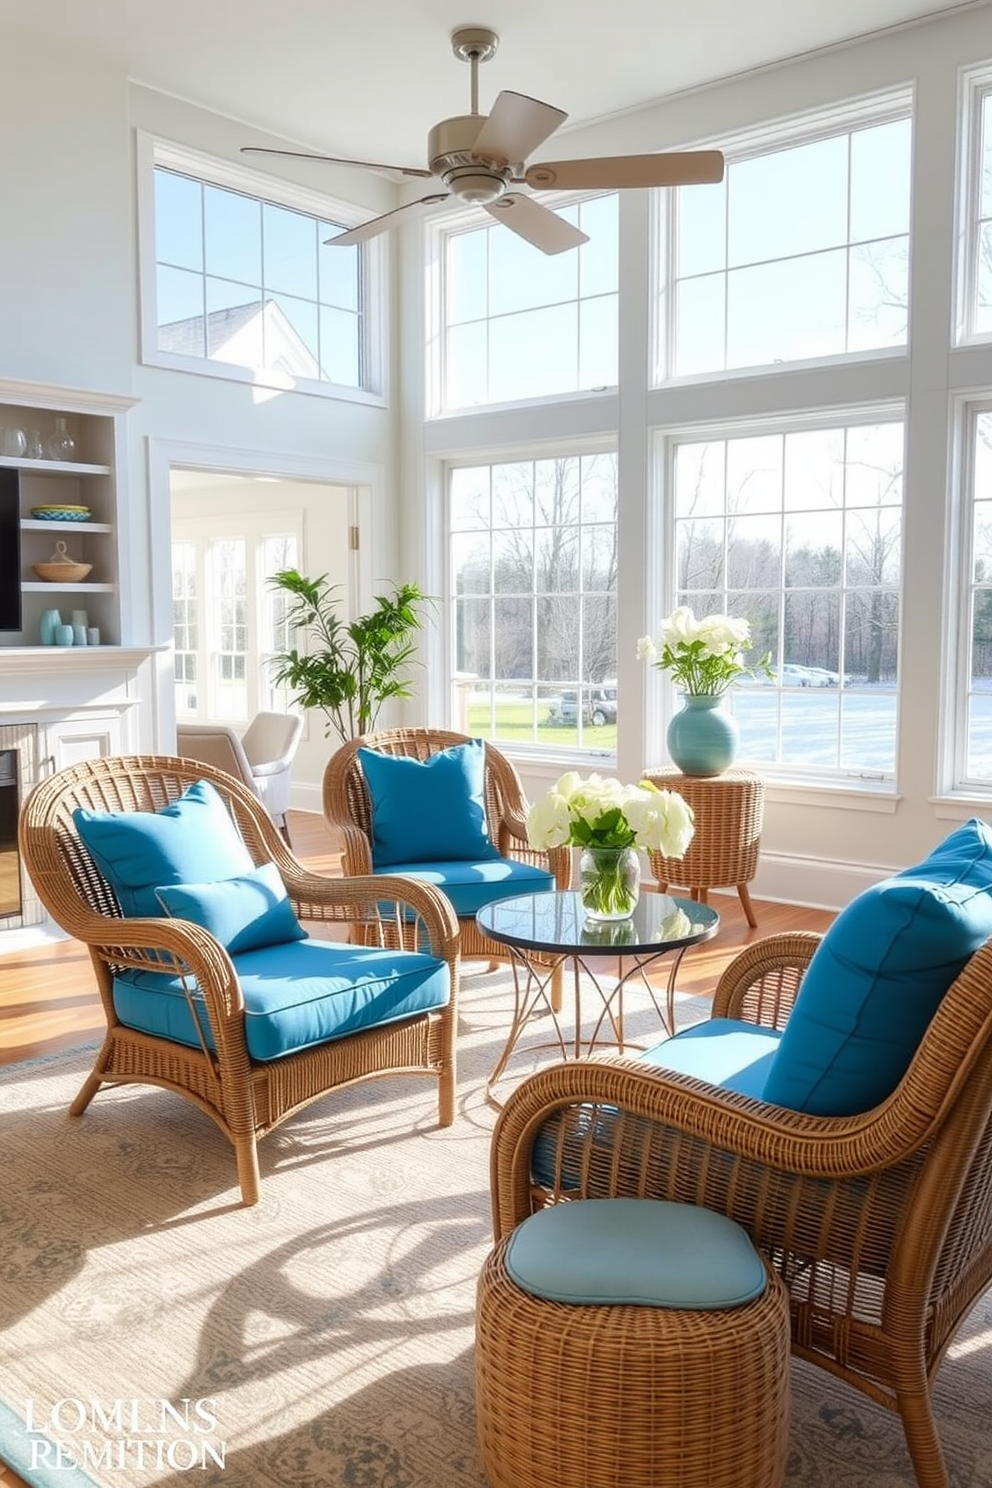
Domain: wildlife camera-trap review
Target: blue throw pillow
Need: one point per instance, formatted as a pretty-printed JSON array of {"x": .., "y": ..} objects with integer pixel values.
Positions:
[
  {"x": 428, "y": 811},
  {"x": 191, "y": 840},
  {"x": 245, "y": 913},
  {"x": 878, "y": 976}
]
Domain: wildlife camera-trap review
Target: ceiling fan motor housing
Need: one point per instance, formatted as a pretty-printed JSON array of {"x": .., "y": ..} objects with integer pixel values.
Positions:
[{"x": 449, "y": 148}]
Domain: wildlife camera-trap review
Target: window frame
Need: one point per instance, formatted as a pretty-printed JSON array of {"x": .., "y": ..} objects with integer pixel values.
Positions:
[
  {"x": 663, "y": 580},
  {"x": 783, "y": 133},
  {"x": 958, "y": 638},
  {"x": 974, "y": 87},
  {"x": 254, "y": 529},
  {"x": 551, "y": 755},
  {"x": 439, "y": 228},
  {"x": 155, "y": 152}
]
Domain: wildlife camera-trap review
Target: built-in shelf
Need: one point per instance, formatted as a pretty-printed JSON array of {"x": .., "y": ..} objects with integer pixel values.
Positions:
[
  {"x": 53, "y": 467},
  {"x": 32, "y": 524},
  {"x": 42, "y": 588}
]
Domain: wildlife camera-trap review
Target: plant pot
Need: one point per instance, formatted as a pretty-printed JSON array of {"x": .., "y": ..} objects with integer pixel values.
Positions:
[
  {"x": 609, "y": 882},
  {"x": 703, "y": 736}
]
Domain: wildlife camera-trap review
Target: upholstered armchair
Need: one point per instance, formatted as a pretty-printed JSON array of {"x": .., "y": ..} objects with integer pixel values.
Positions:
[
  {"x": 445, "y": 808},
  {"x": 879, "y": 1217},
  {"x": 228, "y": 972},
  {"x": 262, "y": 756}
]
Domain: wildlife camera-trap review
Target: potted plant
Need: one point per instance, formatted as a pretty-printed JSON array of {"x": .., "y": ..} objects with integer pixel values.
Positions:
[{"x": 347, "y": 670}]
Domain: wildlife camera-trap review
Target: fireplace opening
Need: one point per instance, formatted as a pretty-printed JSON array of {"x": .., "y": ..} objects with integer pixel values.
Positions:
[{"x": 10, "y": 874}]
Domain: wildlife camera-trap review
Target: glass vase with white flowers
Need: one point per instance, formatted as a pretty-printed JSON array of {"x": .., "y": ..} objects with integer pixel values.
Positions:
[{"x": 610, "y": 821}]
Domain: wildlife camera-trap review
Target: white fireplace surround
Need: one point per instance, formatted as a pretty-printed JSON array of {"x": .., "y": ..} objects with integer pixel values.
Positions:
[{"x": 58, "y": 707}]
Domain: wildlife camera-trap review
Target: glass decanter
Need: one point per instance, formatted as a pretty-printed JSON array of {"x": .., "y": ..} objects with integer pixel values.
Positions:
[{"x": 60, "y": 444}]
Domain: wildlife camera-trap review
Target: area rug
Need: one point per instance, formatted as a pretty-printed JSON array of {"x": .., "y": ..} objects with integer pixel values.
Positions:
[{"x": 154, "y": 1329}]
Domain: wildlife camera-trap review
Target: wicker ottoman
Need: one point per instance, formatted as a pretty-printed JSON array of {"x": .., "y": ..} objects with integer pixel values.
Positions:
[
  {"x": 729, "y": 811},
  {"x": 598, "y": 1395}
]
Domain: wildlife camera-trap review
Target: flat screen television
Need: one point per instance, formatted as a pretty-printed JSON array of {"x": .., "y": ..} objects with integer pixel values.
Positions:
[{"x": 10, "y": 550}]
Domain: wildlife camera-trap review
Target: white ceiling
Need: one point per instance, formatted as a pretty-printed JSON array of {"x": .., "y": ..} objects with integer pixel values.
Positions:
[{"x": 370, "y": 78}]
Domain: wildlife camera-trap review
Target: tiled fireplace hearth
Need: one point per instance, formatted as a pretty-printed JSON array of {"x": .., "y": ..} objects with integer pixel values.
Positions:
[{"x": 57, "y": 708}]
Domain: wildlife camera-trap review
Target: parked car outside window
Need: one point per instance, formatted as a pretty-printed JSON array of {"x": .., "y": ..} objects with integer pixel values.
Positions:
[{"x": 599, "y": 707}]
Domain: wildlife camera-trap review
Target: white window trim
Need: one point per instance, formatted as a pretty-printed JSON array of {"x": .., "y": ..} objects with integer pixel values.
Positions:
[
  {"x": 764, "y": 139},
  {"x": 796, "y": 781},
  {"x": 153, "y": 151},
  {"x": 437, "y": 230},
  {"x": 528, "y": 753},
  {"x": 253, "y": 528},
  {"x": 957, "y": 785},
  {"x": 974, "y": 86}
]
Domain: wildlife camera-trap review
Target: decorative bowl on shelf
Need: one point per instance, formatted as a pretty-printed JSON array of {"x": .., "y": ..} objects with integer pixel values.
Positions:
[
  {"x": 61, "y": 513},
  {"x": 61, "y": 569}
]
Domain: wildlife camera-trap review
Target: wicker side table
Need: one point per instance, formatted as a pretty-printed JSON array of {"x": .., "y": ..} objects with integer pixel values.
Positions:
[{"x": 729, "y": 811}]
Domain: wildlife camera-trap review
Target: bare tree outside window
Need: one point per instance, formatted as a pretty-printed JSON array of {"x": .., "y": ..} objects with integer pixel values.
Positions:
[
  {"x": 533, "y": 548},
  {"x": 800, "y": 533}
]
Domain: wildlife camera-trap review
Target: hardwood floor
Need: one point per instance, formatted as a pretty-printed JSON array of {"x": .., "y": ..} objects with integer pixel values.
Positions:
[{"x": 48, "y": 1001}]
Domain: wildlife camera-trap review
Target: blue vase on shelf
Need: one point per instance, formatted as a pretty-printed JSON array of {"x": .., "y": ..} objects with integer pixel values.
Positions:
[
  {"x": 703, "y": 736},
  {"x": 48, "y": 625}
]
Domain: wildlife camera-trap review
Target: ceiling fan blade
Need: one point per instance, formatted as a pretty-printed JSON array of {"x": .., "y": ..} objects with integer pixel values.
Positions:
[
  {"x": 539, "y": 225},
  {"x": 516, "y": 126},
  {"x": 400, "y": 170},
  {"x": 683, "y": 168},
  {"x": 377, "y": 225}
]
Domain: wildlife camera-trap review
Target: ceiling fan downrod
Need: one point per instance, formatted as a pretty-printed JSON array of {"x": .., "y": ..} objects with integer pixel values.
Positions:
[{"x": 450, "y": 145}]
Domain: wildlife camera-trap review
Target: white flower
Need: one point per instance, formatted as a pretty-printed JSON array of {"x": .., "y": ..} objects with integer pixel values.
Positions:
[
  {"x": 600, "y": 811},
  {"x": 549, "y": 821},
  {"x": 646, "y": 649},
  {"x": 680, "y": 628}
]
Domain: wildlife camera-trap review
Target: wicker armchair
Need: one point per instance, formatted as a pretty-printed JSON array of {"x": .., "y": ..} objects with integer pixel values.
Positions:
[
  {"x": 348, "y": 811},
  {"x": 879, "y": 1224},
  {"x": 246, "y": 1097}
]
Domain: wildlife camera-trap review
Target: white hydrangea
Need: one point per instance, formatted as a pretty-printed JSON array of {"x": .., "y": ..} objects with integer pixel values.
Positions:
[{"x": 600, "y": 811}]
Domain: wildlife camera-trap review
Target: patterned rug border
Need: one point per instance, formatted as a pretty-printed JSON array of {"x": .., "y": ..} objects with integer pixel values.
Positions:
[{"x": 18, "y": 1451}]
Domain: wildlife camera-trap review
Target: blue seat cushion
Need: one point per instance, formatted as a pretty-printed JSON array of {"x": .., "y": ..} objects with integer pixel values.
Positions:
[
  {"x": 296, "y": 995},
  {"x": 722, "y": 1051},
  {"x": 244, "y": 914},
  {"x": 635, "y": 1252},
  {"x": 431, "y": 810},
  {"x": 468, "y": 885},
  {"x": 878, "y": 977},
  {"x": 192, "y": 840}
]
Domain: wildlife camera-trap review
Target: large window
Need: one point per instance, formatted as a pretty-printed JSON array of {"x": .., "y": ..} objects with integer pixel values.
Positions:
[
  {"x": 800, "y": 253},
  {"x": 533, "y": 583},
  {"x": 800, "y": 531},
  {"x": 519, "y": 323},
  {"x": 241, "y": 279},
  {"x": 228, "y": 621},
  {"x": 975, "y": 316},
  {"x": 975, "y": 685}
]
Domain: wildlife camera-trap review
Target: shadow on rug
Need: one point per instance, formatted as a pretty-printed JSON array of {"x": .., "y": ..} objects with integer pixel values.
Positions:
[{"x": 152, "y": 1327}]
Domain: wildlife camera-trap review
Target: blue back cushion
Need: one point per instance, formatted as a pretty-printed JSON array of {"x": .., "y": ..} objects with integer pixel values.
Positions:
[
  {"x": 428, "y": 811},
  {"x": 244, "y": 913},
  {"x": 192, "y": 840},
  {"x": 878, "y": 976}
]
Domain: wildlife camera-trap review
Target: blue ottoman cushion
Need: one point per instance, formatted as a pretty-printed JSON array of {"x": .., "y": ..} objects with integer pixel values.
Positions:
[{"x": 635, "y": 1252}]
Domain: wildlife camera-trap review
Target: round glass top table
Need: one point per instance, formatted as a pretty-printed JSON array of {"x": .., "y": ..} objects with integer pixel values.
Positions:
[{"x": 543, "y": 930}]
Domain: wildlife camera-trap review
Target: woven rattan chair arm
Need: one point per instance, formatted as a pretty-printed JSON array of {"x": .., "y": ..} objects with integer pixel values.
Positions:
[
  {"x": 358, "y": 899},
  {"x": 786, "y": 1143},
  {"x": 175, "y": 947},
  {"x": 761, "y": 983}
]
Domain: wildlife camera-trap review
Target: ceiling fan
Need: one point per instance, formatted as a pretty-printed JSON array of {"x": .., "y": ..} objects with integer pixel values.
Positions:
[{"x": 480, "y": 158}]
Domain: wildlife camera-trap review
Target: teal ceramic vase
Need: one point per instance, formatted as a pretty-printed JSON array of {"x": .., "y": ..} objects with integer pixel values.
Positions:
[{"x": 703, "y": 735}]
